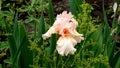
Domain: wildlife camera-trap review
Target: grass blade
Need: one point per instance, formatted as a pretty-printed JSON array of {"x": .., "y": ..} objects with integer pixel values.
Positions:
[
  {"x": 23, "y": 55},
  {"x": 16, "y": 31},
  {"x": 52, "y": 44},
  {"x": 26, "y": 54},
  {"x": 11, "y": 40},
  {"x": 73, "y": 8},
  {"x": 118, "y": 63},
  {"x": 115, "y": 60},
  {"x": 41, "y": 26},
  {"x": 53, "y": 38},
  {"x": 106, "y": 34},
  {"x": 51, "y": 14}
]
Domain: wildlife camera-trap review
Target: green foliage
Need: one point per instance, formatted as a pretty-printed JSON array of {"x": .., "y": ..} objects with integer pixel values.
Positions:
[
  {"x": 39, "y": 54},
  {"x": 34, "y": 6},
  {"x": 2, "y": 54},
  {"x": 85, "y": 19},
  {"x": 51, "y": 15},
  {"x": 4, "y": 45},
  {"x": 98, "y": 50},
  {"x": 41, "y": 27},
  {"x": 89, "y": 52},
  {"x": 90, "y": 62},
  {"x": 18, "y": 43},
  {"x": 0, "y": 65}
]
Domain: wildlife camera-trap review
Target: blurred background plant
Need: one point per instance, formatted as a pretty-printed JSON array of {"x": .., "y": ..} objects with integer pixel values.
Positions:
[{"x": 22, "y": 23}]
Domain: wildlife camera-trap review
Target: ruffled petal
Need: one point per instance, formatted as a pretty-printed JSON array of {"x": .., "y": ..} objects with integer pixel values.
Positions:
[
  {"x": 65, "y": 46},
  {"x": 48, "y": 34},
  {"x": 78, "y": 37}
]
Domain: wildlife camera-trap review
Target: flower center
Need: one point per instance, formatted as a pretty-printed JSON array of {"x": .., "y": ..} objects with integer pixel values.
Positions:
[{"x": 66, "y": 32}]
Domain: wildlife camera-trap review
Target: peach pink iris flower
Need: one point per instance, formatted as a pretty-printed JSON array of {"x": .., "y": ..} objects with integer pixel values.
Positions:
[{"x": 65, "y": 25}]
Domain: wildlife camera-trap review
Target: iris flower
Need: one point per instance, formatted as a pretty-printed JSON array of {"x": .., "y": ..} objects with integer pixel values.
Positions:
[
  {"x": 65, "y": 25},
  {"x": 114, "y": 7}
]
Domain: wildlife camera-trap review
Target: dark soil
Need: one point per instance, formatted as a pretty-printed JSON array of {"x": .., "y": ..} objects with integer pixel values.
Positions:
[{"x": 60, "y": 6}]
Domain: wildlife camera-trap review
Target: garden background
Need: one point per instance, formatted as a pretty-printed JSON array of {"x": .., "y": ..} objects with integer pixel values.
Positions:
[{"x": 23, "y": 22}]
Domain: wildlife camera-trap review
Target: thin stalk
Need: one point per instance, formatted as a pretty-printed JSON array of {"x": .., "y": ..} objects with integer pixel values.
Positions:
[{"x": 35, "y": 30}]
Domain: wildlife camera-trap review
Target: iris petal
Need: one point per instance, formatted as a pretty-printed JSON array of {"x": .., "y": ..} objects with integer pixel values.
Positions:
[
  {"x": 65, "y": 45},
  {"x": 48, "y": 34}
]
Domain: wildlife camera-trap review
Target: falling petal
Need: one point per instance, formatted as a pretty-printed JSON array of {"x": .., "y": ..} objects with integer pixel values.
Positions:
[
  {"x": 48, "y": 34},
  {"x": 78, "y": 37},
  {"x": 65, "y": 46}
]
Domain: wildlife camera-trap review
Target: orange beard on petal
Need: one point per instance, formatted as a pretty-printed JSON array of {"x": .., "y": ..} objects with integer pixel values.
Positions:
[{"x": 66, "y": 32}]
